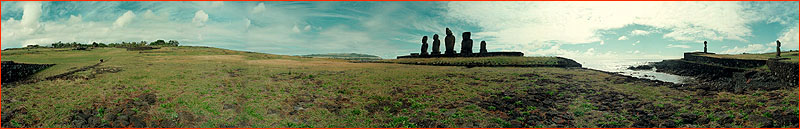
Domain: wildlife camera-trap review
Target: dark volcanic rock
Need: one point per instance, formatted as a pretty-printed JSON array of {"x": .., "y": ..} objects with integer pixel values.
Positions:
[
  {"x": 730, "y": 79},
  {"x": 141, "y": 48},
  {"x": 13, "y": 72},
  {"x": 641, "y": 67},
  {"x": 686, "y": 68}
]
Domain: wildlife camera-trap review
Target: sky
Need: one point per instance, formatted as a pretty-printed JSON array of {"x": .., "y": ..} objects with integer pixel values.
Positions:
[{"x": 579, "y": 30}]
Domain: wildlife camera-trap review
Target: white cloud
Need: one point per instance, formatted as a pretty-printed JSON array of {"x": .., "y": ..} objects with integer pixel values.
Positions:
[
  {"x": 622, "y": 38},
  {"x": 200, "y": 18},
  {"x": 531, "y": 27},
  {"x": 29, "y": 24},
  {"x": 295, "y": 29},
  {"x": 637, "y": 42},
  {"x": 32, "y": 11},
  {"x": 750, "y": 48},
  {"x": 124, "y": 19},
  {"x": 639, "y": 32},
  {"x": 217, "y": 3},
  {"x": 259, "y": 8},
  {"x": 150, "y": 16},
  {"x": 677, "y": 46},
  {"x": 533, "y": 23},
  {"x": 789, "y": 39},
  {"x": 247, "y": 23},
  {"x": 262, "y": 32},
  {"x": 75, "y": 19}
]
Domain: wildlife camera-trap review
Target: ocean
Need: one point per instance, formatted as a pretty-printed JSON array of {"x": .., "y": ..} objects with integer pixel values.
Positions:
[{"x": 621, "y": 65}]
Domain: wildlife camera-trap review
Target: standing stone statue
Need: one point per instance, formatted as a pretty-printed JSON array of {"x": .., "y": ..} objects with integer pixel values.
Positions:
[
  {"x": 466, "y": 44},
  {"x": 424, "y": 50},
  {"x": 436, "y": 45},
  {"x": 449, "y": 43},
  {"x": 483, "y": 47},
  {"x": 705, "y": 47},
  {"x": 779, "y": 49}
]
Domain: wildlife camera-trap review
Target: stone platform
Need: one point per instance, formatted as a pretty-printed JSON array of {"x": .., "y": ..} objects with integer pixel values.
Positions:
[{"x": 487, "y": 54}]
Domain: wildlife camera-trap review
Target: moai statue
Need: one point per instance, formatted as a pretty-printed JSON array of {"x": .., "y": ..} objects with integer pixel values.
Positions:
[
  {"x": 779, "y": 49},
  {"x": 436, "y": 45},
  {"x": 466, "y": 44},
  {"x": 483, "y": 47},
  {"x": 705, "y": 47},
  {"x": 424, "y": 50},
  {"x": 449, "y": 42}
]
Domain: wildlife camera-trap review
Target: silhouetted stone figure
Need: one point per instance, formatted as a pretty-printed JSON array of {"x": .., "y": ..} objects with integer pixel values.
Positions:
[
  {"x": 779, "y": 49},
  {"x": 424, "y": 50},
  {"x": 705, "y": 47},
  {"x": 449, "y": 43},
  {"x": 466, "y": 44},
  {"x": 483, "y": 47},
  {"x": 436, "y": 43}
]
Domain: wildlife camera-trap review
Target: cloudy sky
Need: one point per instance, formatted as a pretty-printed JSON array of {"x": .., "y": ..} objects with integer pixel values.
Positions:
[{"x": 581, "y": 30}]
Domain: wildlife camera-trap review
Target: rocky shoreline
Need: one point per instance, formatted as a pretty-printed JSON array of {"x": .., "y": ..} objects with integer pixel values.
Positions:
[{"x": 710, "y": 77}]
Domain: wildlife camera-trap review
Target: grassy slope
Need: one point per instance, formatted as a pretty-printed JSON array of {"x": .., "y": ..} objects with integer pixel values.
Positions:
[
  {"x": 342, "y": 55},
  {"x": 346, "y": 56},
  {"x": 285, "y": 91}
]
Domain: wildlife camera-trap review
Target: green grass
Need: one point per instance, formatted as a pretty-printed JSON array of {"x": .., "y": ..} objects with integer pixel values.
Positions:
[{"x": 332, "y": 93}]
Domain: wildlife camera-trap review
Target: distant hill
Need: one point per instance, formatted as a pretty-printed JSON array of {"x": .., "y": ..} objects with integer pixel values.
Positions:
[{"x": 346, "y": 56}]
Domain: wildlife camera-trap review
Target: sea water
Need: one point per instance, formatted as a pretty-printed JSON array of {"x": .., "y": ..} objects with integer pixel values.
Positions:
[{"x": 621, "y": 66}]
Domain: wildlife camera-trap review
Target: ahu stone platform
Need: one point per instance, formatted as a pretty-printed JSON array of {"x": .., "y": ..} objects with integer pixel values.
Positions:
[
  {"x": 487, "y": 54},
  {"x": 449, "y": 42}
]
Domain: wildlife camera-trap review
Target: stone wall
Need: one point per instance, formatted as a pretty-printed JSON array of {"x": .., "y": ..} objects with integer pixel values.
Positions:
[
  {"x": 686, "y": 68},
  {"x": 786, "y": 70},
  {"x": 488, "y": 54},
  {"x": 738, "y": 63},
  {"x": 13, "y": 72},
  {"x": 141, "y": 48}
]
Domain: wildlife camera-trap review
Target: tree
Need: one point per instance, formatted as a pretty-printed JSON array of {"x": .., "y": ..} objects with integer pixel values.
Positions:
[
  {"x": 158, "y": 43},
  {"x": 173, "y": 43}
]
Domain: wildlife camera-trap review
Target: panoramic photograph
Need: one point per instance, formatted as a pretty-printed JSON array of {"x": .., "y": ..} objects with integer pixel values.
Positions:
[{"x": 399, "y": 64}]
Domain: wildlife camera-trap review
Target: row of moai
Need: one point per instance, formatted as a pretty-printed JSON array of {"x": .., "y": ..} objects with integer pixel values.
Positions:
[
  {"x": 777, "y": 43},
  {"x": 449, "y": 43}
]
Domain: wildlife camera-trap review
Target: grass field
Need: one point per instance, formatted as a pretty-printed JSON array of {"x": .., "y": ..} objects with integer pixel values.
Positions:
[{"x": 210, "y": 87}]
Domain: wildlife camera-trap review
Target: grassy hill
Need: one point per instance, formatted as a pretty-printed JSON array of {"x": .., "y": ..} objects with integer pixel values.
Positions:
[
  {"x": 211, "y": 87},
  {"x": 346, "y": 56}
]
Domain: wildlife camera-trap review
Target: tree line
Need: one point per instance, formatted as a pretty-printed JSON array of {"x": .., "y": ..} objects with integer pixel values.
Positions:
[{"x": 59, "y": 44}]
